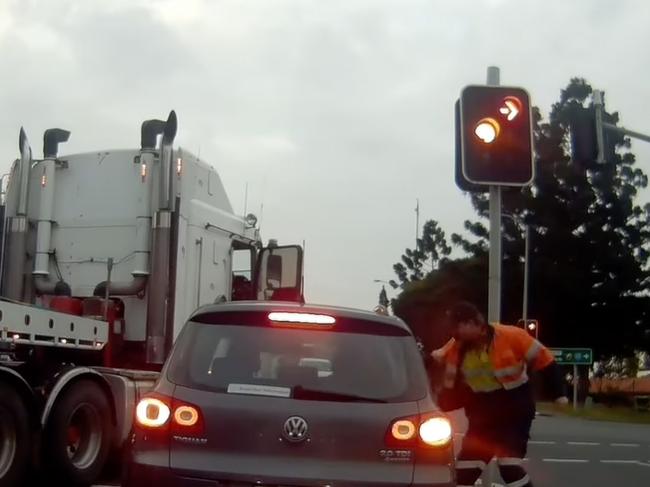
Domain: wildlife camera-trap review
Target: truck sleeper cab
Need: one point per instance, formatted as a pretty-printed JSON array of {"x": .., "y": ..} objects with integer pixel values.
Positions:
[{"x": 105, "y": 255}]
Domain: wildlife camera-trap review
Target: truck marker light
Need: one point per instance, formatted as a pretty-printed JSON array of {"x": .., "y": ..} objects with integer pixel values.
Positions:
[
  {"x": 152, "y": 413},
  {"x": 301, "y": 318},
  {"x": 435, "y": 431},
  {"x": 143, "y": 171},
  {"x": 179, "y": 167}
]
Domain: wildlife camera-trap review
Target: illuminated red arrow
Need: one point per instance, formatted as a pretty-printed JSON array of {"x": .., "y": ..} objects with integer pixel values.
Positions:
[{"x": 511, "y": 109}]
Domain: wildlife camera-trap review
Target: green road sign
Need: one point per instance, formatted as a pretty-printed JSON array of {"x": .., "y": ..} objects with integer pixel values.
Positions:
[{"x": 573, "y": 356}]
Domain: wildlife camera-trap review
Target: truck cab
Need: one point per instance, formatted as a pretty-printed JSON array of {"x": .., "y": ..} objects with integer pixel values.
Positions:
[{"x": 105, "y": 255}]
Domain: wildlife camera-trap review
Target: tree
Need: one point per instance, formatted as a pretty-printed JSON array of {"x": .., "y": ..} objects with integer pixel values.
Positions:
[
  {"x": 383, "y": 297},
  {"x": 423, "y": 304},
  {"x": 416, "y": 263}
]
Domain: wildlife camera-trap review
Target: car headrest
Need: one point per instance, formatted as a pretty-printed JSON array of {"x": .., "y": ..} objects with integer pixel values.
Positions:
[{"x": 297, "y": 375}]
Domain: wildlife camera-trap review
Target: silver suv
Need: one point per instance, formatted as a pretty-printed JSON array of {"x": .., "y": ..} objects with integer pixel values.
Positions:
[{"x": 284, "y": 394}]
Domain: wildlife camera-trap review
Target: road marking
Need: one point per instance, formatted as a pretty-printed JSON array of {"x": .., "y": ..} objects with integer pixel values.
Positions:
[
  {"x": 583, "y": 443},
  {"x": 622, "y": 462},
  {"x": 537, "y": 442},
  {"x": 564, "y": 460},
  {"x": 626, "y": 445}
]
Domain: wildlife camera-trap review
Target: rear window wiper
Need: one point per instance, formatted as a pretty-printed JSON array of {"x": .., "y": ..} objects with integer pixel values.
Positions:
[{"x": 300, "y": 392}]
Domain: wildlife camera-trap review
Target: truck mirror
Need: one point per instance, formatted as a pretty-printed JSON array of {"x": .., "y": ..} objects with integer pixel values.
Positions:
[
  {"x": 274, "y": 271},
  {"x": 279, "y": 274}
]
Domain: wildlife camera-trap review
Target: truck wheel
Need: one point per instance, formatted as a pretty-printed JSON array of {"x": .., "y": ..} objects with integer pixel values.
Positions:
[
  {"x": 15, "y": 437},
  {"x": 78, "y": 434}
]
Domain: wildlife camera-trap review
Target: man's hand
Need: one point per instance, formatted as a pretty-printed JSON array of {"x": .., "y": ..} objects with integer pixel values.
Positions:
[
  {"x": 562, "y": 401},
  {"x": 438, "y": 355}
]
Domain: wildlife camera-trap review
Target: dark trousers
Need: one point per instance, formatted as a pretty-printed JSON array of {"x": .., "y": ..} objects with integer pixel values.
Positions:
[{"x": 500, "y": 432}]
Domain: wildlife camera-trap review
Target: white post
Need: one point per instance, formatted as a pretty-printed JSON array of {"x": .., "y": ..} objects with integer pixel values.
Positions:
[
  {"x": 575, "y": 387},
  {"x": 524, "y": 311},
  {"x": 494, "y": 284},
  {"x": 600, "y": 140}
]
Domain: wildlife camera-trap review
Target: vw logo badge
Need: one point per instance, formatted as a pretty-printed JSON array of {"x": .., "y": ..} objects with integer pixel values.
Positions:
[{"x": 295, "y": 429}]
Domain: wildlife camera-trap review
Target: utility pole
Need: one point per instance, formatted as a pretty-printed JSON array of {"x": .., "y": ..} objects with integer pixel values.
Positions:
[
  {"x": 494, "y": 282},
  {"x": 524, "y": 301},
  {"x": 524, "y": 311},
  {"x": 417, "y": 222}
]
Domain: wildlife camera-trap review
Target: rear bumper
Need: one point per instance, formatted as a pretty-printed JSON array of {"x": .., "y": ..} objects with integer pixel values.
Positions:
[
  {"x": 150, "y": 467},
  {"x": 138, "y": 475}
]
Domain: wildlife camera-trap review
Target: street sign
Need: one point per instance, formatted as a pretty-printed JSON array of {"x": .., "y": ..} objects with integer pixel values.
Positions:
[{"x": 573, "y": 356}]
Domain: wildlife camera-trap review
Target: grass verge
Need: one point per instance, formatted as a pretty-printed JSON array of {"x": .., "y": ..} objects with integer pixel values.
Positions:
[{"x": 597, "y": 412}]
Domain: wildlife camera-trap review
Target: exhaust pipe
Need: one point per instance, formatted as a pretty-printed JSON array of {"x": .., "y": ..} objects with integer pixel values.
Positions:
[
  {"x": 166, "y": 196},
  {"x": 150, "y": 131},
  {"x": 17, "y": 227},
  {"x": 158, "y": 295},
  {"x": 41, "y": 274}
]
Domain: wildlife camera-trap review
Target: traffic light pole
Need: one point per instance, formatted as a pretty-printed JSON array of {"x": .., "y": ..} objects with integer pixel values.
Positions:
[
  {"x": 601, "y": 126},
  {"x": 575, "y": 387},
  {"x": 524, "y": 311},
  {"x": 494, "y": 281}
]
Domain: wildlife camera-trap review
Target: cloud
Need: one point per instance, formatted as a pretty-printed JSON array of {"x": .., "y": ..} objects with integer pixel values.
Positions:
[{"x": 337, "y": 114}]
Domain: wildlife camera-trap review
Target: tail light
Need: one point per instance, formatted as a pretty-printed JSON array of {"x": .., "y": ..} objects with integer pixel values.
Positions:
[
  {"x": 186, "y": 416},
  {"x": 151, "y": 412},
  {"x": 163, "y": 413},
  {"x": 403, "y": 430},
  {"x": 435, "y": 431},
  {"x": 430, "y": 430}
]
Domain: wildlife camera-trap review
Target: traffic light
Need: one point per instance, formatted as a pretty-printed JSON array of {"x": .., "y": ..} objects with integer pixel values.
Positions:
[
  {"x": 496, "y": 143},
  {"x": 584, "y": 139},
  {"x": 585, "y": 130},
  {"x": 461, "y": 182},
  {"x": 531, "y": 326}
]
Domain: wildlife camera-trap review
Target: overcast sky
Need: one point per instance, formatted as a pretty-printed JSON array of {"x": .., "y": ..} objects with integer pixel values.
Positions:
[{"x": 338, "y": 114}]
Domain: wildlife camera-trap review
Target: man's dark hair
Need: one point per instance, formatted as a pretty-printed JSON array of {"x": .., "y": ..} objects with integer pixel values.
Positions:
[{"x": 464, "y": 311}]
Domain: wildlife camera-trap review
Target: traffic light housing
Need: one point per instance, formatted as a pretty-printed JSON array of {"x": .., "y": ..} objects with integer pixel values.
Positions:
[
  {"x": 461, "y": 182},
  {"x": 584, "y": 136},
  {"x": 496, "y": 142},
  {"x": 584, "y": 139}
]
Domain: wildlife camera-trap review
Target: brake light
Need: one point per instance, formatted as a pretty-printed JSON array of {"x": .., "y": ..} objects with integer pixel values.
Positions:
[
  {"x": 435, "y": 431},
  {"x": 151, "y": 412},
  {"x": 289, "y": 318},
  {"x": 423, "y": 430},
  {"x": 159, "y": 412}
]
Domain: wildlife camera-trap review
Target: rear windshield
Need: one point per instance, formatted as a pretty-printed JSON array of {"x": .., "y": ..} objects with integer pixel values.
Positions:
[{"x": 300, "y": 363}]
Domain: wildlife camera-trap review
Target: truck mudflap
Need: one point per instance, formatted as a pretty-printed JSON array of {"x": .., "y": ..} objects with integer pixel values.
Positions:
[{"x": 127, "y": 387}]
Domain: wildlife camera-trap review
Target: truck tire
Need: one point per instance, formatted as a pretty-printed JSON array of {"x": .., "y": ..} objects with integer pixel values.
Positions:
[
  {"x": 78, "y": 434},
  {"x": 15, "y": 438}
]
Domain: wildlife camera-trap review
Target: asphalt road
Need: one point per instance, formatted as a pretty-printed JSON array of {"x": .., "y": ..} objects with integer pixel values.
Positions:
[{"x": 568, "y": 452}]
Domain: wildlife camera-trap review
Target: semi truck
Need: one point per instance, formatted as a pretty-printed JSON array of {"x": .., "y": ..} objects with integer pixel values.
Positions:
[{"x": 104, "y": 256}]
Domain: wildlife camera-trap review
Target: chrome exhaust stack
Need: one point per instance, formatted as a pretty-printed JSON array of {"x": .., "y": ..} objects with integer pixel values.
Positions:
[
  {"x": 158, "y": 292},
  {"x": 41, "y": 273}
]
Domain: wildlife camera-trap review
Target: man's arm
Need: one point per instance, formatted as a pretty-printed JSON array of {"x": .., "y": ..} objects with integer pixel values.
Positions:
[
  {"x": 541, "y": 360},
  {"x": 553, "y": 381}
]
